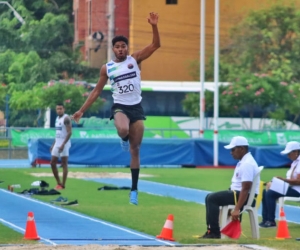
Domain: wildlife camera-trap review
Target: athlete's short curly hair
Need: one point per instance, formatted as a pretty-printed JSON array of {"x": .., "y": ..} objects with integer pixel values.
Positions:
[{"x": 119, "y": 39}]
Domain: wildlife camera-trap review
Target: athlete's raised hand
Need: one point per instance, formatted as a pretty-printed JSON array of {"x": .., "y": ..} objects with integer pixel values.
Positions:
[
  {"x": 77, "y": 115},
  {"x": 153, "y": 18}
]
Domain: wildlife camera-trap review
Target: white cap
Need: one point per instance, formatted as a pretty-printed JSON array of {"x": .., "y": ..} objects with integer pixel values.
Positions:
[
  {"x": 290, "y": 146},
  {"x": 237, "y": 141},
  {"x": 36, "y": 183}
]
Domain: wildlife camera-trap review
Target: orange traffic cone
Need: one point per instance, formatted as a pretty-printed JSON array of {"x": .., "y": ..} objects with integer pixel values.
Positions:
[
  {"x": 282, "y": 229},
  {"x": 167, "y": 231},
  {"x": 30, "y": 232}
]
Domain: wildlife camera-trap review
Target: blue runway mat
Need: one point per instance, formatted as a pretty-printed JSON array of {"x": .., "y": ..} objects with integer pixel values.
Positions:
[
  {"x": 56, "y": 225},
  {"x": 186, "y": 194}
]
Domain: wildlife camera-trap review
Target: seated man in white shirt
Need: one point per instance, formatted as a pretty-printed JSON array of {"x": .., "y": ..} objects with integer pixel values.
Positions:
[
  {"x": 292, "y": 181},
  {"x": 241, "y": 183}
]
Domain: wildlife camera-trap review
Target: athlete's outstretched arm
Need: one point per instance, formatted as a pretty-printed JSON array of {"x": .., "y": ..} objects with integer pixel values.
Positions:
[
  {"x": 93, "y": 95},
  {"x": 148, "y": 51}
]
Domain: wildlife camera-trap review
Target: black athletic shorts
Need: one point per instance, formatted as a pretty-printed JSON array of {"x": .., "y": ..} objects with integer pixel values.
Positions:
[{"x": 133, "y": 112}]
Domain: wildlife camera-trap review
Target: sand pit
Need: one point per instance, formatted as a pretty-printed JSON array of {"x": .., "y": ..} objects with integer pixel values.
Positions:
[{"x": 115, "y": 247}]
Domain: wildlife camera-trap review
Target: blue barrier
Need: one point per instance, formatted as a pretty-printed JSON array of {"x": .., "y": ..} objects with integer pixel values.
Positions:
[{"x": 195, "y": 152}]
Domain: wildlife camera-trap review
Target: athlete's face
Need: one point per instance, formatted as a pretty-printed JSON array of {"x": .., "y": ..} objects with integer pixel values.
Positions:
[
  {"x": 60, "y": 110},
  {"x": 120, "y": 49}
]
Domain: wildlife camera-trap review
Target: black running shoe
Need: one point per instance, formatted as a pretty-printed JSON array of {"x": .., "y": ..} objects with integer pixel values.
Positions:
[
  {"x": 269, "y": 224},
  {"x": 211, "y": 235},
  {"x": 59, "y": 199},
  {"x": 71, "y": 203},
  {"x": 262, "y": 223}
]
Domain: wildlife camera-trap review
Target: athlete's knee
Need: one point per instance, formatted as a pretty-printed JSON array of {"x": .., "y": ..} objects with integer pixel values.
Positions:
[
  {"x": 123, "y": 131},
  {"x": 53, "y": 162},
  {"x": 134, "y": 149},
  {"x": 64, "y": 165}
]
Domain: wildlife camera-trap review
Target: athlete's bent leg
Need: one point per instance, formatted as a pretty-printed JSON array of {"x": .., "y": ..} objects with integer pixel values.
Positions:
[{"x": 122, "y": 126}]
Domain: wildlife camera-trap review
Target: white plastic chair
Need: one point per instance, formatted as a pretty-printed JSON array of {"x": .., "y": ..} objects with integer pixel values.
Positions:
[
  {"x": 252, "y": 211},
  {"x": 281, "y": 201}
]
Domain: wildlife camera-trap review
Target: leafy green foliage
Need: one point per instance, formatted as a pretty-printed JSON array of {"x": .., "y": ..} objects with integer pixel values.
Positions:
[
  {"x": 43, "y": 96},
  {"x": 3, "y": 92},
  {"x": 261, "y": 63},
  {"x": 252, "y": 91},
  {"x": 72, "y": 95},
  {"x": 33, "y": 53}
]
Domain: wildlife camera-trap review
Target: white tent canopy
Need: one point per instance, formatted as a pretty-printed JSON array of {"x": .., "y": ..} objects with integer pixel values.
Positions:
[{"x": 187, "y": 86}]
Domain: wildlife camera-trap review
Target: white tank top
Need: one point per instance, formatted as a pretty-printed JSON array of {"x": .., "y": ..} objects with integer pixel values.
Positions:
[
  {"x": 125, "y": 79},
  {"x": 61, "y": 131}
]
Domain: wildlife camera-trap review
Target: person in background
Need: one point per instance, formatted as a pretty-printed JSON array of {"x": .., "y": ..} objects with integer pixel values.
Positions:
[
  {"x": 241, "y": 183},
  {"x": 292, "y": 150},
  {"x": 61, "y": 145}
]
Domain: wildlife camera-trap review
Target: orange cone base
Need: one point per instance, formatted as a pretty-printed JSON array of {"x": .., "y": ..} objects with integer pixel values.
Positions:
[
  {"x": 28, "y": 238},
  {"x": 164, "y": 238},
  {"x": 277, "y": 238}
]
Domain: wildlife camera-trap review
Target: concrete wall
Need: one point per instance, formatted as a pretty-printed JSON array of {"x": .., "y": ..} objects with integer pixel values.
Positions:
[
  {"x": 90, "y": 17},
  {"x": 179, "y": 27}
]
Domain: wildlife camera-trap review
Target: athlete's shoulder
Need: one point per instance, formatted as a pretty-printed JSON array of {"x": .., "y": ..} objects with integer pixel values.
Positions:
[{"x": 132, "y": 58}]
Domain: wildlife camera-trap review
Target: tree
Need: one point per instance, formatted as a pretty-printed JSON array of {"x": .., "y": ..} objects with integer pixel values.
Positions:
[
  {"x": 38, "y": 51},
  {"x": 42, "y": 96},
  {"x": 3, "y": 93},
  {"x": 267, "y": 41},
  {"x": 261, "y": 62}
]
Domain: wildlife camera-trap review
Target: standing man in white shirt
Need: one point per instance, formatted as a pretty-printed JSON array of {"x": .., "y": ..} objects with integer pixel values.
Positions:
[
  {"x": 61, "y": 145},
  {"x": 241, "y": 183},
  {"x": 127, "y": 112}
]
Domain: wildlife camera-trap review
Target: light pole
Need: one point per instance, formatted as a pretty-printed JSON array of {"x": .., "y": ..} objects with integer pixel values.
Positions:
[
  {"x": 202, "y": 66},
  {"x": 216, "y": 76},
  {"x": 16, "y": 14},
  {"x": 111, "y": 28}
]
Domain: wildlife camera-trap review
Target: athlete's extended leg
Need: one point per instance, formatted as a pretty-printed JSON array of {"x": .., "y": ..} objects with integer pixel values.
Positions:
[
  {"x": 136, "y": 131},
  {"x": 64, "y": 165},
  {"x": 122, "y": 125},
  {"x": 53, "y": 163}
]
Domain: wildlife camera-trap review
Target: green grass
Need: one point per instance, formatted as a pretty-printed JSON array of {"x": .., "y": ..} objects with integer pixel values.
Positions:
[
  {"x": 9, "y": 236},
  {"x": 149, "y": 217}
]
